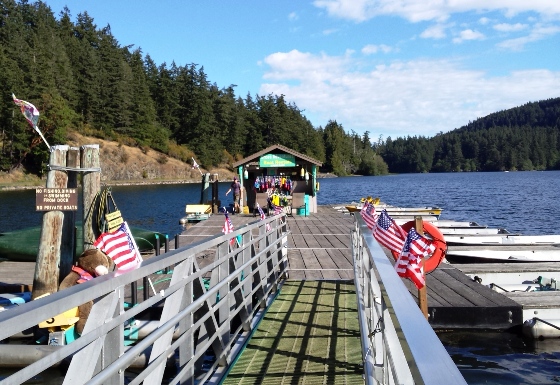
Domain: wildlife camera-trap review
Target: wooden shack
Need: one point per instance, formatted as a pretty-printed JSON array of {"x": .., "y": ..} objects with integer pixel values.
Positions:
[{"x": 286, "y": 177}]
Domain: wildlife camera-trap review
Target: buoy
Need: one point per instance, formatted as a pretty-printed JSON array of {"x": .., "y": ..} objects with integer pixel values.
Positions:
[{"x": 432, "y": 262}]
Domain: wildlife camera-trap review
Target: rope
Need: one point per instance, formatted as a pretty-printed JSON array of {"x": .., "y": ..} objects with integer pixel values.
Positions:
[
  {"x": 103, "y": 207},
  {"x": 88, "y": 222}
]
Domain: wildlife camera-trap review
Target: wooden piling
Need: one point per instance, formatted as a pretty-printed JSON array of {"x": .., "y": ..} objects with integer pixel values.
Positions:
[
  {"x": 205, "y": 188},
  {"x": 91, "y": 186},
  {"x": 68, "y": 247},
  {"x": 46, "y": 276},
  {"x": 215, "y": 196},
  {"x": 422, "y": 293}
]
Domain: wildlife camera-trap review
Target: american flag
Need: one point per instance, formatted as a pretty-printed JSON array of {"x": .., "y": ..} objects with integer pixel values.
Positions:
[
  {"x": 228, "y": 226},
  {"x": 368, "y": 214},
  {"x": 263, "y": 217},
  {"x": 409, "y": 263},
  {"x": 277, "y": 209},
  {"x": 388, "y": 233},
  {"x": 28, "y": 110},
  {"x": 120, "y": 247},
  {"x": 31, "y": 113}
]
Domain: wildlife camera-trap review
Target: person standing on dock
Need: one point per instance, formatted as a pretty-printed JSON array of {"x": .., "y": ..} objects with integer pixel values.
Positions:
[{"x": 236, "y": 188}]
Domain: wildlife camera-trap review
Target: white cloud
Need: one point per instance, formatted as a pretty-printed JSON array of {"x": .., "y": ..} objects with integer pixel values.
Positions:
[
  {"x": 484, "y": 20},
  {"x": 371, "y": 49},
  {"x": 505, "y": 27},
  {"x": 539, "y": 32},
  {"x": 423, "y": 10},
  {"x": 436, "y": 31},
  {"x": 293, "y": 16},
  {"x": 328, "y": 32},
  {"x": 399, "y": 98},
  {"x": 468, "y": 34}
]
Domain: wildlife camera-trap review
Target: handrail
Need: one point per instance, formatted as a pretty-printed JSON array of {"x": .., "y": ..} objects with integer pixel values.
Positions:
[
  {"x": 194, "y": 320},
  {"x": 398, "y": 344}
]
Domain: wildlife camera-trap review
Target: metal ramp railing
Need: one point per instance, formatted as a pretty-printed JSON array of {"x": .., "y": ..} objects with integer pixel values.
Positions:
[
  {"x": 200, "y": 329},
  {"x": 398, "y": 344}
]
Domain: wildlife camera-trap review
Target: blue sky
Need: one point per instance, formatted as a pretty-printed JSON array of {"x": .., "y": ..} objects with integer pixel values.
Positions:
[{"x": 390, "y": 67}]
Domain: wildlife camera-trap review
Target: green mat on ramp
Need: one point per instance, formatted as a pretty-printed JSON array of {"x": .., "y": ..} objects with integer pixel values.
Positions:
[{"x": 310, "y": 335}]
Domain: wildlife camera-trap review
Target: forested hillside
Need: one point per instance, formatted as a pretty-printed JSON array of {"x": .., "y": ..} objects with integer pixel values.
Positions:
[
  {"x": 521, "y": 138},
  {"x": 81, "y": 79}
]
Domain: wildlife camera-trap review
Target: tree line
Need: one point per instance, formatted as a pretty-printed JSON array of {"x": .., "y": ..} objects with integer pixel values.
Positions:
[
  {"x": 522, "y": 138},
  {"x": 81, "y": 79}
]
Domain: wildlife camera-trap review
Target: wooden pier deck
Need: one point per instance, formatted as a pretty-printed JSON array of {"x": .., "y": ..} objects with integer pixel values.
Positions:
[{"x": 319, "y": 249}]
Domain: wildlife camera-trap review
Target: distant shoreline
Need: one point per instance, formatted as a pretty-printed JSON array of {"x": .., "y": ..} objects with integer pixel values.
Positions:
[
  {"x": 15, "y": 187},
  {"x": 115, "y": 183}
]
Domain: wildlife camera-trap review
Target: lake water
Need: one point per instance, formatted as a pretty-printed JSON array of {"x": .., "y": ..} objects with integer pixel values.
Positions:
[{"x": 522, "y": 202}]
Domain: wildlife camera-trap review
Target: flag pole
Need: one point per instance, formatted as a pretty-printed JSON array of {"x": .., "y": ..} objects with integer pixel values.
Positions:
[
  {"x": 195, "y": 165},
  {"x": 138, "y": 256},
  {"x": 422, "y": 293},
  {"x": 42, "y": 137}
]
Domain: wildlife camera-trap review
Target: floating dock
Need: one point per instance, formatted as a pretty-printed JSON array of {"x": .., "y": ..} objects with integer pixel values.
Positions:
[
  {"x": 311, "y": 331},
  {"x": 320, "y": 278},
  {"x": 319, "y": 249}
]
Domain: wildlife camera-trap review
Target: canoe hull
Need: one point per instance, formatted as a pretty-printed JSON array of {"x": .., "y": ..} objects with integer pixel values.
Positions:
[
  {"x": 23, "y": 245},
  {"x": 477, "y": 256},
  {"x": 505, "y": 240},
  {"x": 401, "y": 211}
]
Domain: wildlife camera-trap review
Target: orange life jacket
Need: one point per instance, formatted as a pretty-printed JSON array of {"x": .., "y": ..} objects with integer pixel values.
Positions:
[{"x": 84, "y": 275}]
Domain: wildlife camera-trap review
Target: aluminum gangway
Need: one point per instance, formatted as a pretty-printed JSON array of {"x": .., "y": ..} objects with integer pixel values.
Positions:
[
  {"x": 218, "y": 289},
  {"x": 216, "y": 296}
]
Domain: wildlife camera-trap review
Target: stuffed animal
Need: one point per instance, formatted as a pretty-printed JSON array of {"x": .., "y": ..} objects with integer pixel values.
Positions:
[{"x": 90, "y": 264}]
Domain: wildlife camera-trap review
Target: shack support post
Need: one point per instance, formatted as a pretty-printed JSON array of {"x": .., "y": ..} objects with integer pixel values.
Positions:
[
  {"x": 422, "y": 293},
  {"x": 46, "y": 276},
  {"x": 91, "y": 185},
  {"x": 215, "y": 197}
]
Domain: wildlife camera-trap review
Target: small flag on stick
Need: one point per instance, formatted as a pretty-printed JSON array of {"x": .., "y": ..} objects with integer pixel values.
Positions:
[
  {"x": 409, "y": 263},
  {"x": 31, "y": 113},
  {"x": 368, "y": 214},
  {"x": 228, "y": 227},
  {"x": 120, "y": 246},
  {"x": 388, "y": 233},
  {"x": 263, "y": 216},
  {"x": 278, "y": 209}
]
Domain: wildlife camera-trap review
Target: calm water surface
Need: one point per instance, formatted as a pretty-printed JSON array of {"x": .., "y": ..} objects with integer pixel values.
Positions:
[{"x": 522, "y": 202}]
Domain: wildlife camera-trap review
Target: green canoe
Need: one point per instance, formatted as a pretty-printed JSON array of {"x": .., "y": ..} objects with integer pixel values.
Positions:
[{"x": 23, "y": 245}]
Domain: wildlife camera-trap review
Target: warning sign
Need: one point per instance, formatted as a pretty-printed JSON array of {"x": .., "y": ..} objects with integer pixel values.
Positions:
[{"x": 56, "y": 199}]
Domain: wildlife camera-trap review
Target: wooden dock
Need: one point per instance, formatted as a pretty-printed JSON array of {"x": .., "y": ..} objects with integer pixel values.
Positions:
[{"x": 319, "y": 249}]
